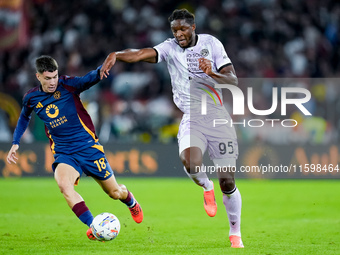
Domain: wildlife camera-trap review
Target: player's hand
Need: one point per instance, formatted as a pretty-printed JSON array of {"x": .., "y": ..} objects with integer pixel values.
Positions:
[
  {"x": 107, "y": 65},
  {"x": 11, "y": 157},
  {"x": 205, "y": 65}
]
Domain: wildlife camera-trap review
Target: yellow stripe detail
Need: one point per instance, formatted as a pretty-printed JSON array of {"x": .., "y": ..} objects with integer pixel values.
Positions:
[
  {"x": 107, "y": 174},
  {"x": 88, "y": 130},
  {"x": 98, "y": 147},
  {"x": 53, "y": 144}
]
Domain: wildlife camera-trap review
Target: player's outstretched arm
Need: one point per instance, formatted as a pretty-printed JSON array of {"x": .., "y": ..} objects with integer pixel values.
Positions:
[
  {"x": 11, "y": 157},
  {"x": 22, "y": 125},
  {"x": 129, "y": 56}
]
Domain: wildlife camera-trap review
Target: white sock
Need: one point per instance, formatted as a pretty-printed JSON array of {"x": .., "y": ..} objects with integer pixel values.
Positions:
[
  {"x": 233, "y": 204},
  {"x": 201, "y": 179}
]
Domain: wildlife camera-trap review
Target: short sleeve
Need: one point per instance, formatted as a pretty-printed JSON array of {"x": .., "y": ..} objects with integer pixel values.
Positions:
[
  {"x": 162, "y": 50},
  {"x": 220, "y": 56}
]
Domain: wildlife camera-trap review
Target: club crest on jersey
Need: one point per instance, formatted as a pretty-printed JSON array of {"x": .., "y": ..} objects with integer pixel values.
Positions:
[
  {"x": 57, "y": 94},
  {"x": 52, "y": 111},
  {"x": 204, "y": 52}
]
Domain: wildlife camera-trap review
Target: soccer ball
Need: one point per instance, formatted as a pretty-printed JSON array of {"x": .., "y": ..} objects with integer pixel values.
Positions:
[{"x": 105, "y": 226}]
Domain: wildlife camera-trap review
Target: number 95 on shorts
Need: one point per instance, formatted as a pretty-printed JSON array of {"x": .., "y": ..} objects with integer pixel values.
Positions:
[{"x": 223, "y": 148}]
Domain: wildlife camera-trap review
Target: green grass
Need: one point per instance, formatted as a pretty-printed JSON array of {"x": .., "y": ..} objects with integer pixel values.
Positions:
[{"x": 278, "y": 217}]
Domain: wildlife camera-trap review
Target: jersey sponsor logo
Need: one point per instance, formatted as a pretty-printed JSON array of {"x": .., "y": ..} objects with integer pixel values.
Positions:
[
  {"x": 58, "y": 122},
  {"x": 52, "y": 111},
  {"x": 57, "y": 94},
  {"x": 204, "y": 52},
  {"x": 39, "y": 105}
]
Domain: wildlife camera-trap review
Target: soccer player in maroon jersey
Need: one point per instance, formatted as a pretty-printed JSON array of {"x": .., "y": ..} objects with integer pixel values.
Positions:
[{"x": 73, "y": 140}]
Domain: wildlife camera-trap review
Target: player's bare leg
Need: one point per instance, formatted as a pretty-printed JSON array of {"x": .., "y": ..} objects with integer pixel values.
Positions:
[
  {"x": 192, "y": 160},
  {"x": 113, "y": 189},
  {"x": 66, "y": 177},
  {"x": 119, "y": 191},
  {"x": 232, "y": 202}
]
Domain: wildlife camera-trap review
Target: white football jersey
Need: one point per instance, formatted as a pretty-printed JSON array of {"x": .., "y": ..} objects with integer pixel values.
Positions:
[{"x": 189, "y": 82}]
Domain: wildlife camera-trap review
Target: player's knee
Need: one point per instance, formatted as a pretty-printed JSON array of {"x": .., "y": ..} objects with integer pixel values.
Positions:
[
  {"x": 191, "y": 164},
  {"x": 227, "y": 184},
  {"x": 186, "y": 163},
  {"x": 65, "y": 188}
]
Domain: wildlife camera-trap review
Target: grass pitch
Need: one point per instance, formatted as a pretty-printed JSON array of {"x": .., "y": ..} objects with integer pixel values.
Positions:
[{"x": 278, "y": 217}]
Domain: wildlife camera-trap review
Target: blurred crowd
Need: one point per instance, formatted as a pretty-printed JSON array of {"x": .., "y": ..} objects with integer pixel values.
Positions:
[{"x": 266, "y": 40}]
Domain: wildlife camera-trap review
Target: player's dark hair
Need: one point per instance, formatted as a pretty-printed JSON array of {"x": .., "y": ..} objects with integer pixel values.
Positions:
[
  {"x": 45, "y": 64},
  {"x": 182, "y": 14}
]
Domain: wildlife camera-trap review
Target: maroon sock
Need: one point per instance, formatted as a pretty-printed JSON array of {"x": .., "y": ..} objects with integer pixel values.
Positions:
[
  {"x": 129, "y": 200},
  {"x": 83, "y": 213}
]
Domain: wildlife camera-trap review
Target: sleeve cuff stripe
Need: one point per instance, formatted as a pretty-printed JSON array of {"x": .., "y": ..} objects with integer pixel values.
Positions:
[{"x": 224, "y": 66}]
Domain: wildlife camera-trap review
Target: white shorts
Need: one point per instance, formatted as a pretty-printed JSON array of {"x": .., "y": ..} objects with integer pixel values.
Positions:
[
  {"x": 199, "y": 132},
  {"x": 188, "y": 141}
]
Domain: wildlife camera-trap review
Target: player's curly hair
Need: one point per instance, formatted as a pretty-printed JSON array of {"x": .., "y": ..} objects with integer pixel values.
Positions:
[
  {"x": 182, "y": 14},
  {"x": 45, "y": 63}
]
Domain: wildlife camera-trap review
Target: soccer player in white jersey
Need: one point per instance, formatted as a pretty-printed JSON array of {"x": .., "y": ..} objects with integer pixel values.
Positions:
[{"x": 196, "y": 62}]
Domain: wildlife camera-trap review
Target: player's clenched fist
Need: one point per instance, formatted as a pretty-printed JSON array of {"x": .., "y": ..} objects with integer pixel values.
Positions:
[{"x": 205, "y": 65}]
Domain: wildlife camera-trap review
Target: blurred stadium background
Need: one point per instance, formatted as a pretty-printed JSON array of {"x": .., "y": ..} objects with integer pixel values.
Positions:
[{"x": 135, "y": 118}]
